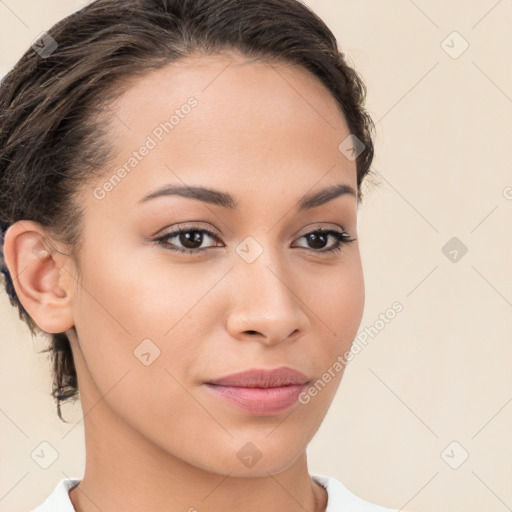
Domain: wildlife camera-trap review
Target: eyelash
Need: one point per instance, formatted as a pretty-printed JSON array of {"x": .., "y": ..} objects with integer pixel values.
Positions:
[{"x": 342, "y": 238}]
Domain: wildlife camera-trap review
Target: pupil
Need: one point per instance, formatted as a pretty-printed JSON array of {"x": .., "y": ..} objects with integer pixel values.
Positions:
[
  {"x": 189, "y": 241},
  {"x": 315, "y": 237}
]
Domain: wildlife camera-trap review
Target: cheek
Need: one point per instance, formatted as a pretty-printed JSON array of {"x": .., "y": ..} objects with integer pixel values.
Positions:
[
  {"x": 134, "y": 310},
  {"x": 134, "y": 330},
  {"x": 338, "y": 302},
  {"x": 348, "y": 304},
  {"x": 338, "y": 305}
]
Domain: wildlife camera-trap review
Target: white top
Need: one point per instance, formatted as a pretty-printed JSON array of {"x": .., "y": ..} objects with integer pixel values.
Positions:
[{"x": 339, "y": 498}]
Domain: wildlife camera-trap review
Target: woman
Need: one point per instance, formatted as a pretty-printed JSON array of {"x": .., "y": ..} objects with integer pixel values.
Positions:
[{"x": 180, "y": 184}]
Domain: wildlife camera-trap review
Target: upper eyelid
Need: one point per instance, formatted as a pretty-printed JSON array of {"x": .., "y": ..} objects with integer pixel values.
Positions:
[
  {"x": 200, "y": 225},
  {"x": 212, "y": 232}
]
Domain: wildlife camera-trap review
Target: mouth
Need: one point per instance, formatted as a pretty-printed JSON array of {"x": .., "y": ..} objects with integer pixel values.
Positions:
[{"x": 260, "y": 391}]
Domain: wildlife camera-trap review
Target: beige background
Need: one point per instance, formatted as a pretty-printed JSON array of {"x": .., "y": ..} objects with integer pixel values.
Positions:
[{"x": 441, "y": 370}]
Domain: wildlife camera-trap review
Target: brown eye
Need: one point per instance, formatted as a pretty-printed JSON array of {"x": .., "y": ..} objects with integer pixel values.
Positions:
[
  {"x": 190, "y": 239},
  {"x": 318, "y": 239}
]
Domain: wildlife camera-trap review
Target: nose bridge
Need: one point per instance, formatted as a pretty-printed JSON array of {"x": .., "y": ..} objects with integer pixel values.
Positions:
[
  {"x": 265, "y": 299},
  {"x": 264, "y": 268}
]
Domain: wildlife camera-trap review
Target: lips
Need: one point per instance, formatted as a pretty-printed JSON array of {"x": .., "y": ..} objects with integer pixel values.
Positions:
[
  {"x": 261, "y": 378},
  {"x": 260, "y": 392}
]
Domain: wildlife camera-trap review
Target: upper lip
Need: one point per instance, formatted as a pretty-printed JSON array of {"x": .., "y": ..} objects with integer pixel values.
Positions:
[{"x": 263, "y": 378}]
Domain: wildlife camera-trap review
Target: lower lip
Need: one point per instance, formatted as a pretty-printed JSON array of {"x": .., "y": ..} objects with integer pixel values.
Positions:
[{"x": 261, "y": 401}]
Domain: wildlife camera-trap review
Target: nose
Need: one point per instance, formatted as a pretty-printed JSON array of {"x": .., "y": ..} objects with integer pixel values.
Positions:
[{"x": 267, "y": 303}]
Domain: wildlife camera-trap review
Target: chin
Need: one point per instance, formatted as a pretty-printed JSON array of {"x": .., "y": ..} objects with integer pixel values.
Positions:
[{"x": 253, "y": 459}]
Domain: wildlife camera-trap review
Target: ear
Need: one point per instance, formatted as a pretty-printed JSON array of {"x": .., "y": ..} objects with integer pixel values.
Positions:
[{"x": 41, "y": 273}]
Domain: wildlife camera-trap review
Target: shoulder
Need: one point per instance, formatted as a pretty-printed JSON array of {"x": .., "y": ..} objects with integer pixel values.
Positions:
[
  {"x": 58, "y": 500},
  {"x": 339, "y": 498}
]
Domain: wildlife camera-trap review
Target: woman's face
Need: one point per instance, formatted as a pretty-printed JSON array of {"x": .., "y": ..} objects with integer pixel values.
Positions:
[{"x": 155, "y": 325}]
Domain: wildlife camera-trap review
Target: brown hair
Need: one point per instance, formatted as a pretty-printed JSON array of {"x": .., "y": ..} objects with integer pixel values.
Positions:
[{"x": 52, "y": 106}]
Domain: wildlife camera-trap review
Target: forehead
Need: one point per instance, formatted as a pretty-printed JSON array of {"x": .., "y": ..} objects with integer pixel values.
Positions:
[
  {"x": 231, "y": 76},
  {"x": 228, "y": 119}
]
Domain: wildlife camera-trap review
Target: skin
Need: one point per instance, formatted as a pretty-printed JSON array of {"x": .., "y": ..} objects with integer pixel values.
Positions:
[{"x": 156, "y": 439}]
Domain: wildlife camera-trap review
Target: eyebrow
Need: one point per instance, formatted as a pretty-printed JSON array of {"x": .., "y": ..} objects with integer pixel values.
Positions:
[{"x": 226, "y": 200}]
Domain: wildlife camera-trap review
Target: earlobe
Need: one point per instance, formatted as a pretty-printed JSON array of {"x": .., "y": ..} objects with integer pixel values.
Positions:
[{"x": 40, "y": 275}]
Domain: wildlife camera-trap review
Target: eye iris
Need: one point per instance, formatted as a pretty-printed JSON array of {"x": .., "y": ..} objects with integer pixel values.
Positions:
[
  {"x": 316, "y": 237},
  {"x": 191, "y": 241}
]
